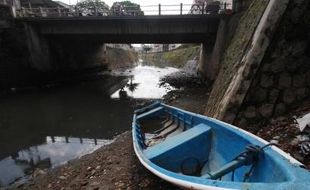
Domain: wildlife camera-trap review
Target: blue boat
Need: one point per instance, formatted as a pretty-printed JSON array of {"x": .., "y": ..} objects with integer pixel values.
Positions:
[{"x": 193, "y": 151}]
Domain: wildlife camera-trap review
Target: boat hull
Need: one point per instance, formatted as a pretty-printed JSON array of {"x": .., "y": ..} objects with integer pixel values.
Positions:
[{"x": 286, "y": 171}]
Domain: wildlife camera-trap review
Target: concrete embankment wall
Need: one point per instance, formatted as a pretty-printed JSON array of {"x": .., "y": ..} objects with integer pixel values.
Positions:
[
  {"x": 118, "y": 58},
  {"x": 264, "y": 71},
  {"x": 174, "y": 58},
  {"x": 14, "y": 58}
]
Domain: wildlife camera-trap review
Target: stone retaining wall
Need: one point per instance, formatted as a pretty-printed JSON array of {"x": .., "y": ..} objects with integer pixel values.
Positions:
[
  {"x": 231, "y": 60},
  {"x": 283, "y": 80},
  {"x": 265, "y": 71}
]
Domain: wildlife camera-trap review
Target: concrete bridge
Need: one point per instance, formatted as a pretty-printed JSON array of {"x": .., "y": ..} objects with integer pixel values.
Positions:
[
  {"x": 43, "y": 33},
  {"x": 54, "y": 33},
  {"x": 137, "y": 29}
]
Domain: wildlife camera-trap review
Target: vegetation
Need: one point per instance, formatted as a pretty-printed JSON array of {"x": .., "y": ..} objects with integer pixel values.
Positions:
[
  {"x": 175, "y": 58},
  {"x": 92, "y": 8},
  {"x": 126, "y": 8},
  {"x": 100, "y": 8},
  {"x": 119, "y": 58}
]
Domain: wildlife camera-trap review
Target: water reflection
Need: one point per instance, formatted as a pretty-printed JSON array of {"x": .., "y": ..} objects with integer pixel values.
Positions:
[
  {"x": 144, "y": 82},
  {"x": 55, "y": 151},
  {"x": 45, "y": 128}
]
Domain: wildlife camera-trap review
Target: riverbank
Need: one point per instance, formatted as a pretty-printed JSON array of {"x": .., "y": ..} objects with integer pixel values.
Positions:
[
  {"x": 175, "y": 58},
  {"x": 115, "y": 166},
  {"x": 102, "y": 169}
]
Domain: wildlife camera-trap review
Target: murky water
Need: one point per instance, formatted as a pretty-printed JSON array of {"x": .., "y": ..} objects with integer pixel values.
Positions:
[{"x": 47, "y": 128}]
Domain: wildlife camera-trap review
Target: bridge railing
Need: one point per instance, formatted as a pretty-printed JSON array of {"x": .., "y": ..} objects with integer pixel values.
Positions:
[{"x": 148, "y": 10}]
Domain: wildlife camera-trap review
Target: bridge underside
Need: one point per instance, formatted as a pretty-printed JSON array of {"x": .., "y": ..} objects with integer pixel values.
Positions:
[
  {"x": 135, "y": 38},
  {"x": 144, "y": 29},
  {"x": 76, "y": 40}
]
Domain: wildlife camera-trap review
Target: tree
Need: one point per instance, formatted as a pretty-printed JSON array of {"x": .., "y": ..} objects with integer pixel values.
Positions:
[
  {"x": 126, "y": 8},
  {"x": 92, "y": 8}
]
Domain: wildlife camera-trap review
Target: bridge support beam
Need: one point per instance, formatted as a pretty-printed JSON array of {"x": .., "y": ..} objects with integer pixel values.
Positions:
[
  {"x": 205, "y": 65},
  {"x": 38, "y": 48},
  {"x": 211, "y": 52}
]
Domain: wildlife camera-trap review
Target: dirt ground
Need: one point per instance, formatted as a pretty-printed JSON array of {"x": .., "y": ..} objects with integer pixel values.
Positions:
[{"x": 116, "y": 166}]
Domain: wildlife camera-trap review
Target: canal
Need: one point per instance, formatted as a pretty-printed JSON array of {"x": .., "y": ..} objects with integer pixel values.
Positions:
[{"x": 48, "y": 127}]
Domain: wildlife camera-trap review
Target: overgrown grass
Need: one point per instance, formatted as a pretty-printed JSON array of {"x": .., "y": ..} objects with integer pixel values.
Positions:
[{"x": 175, "y": 58}]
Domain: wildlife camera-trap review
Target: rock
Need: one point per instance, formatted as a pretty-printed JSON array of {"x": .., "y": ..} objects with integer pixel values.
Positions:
[
  {"x": 294, "y": 142},
  {"x": 266, "y": 81},
  {"x": 89, "y": 168},
  {"x": 289, "y": 96},
  {"x": 250, "y": 112},
  {"x": 98, "y": 167},
  {"x": 260, "y": 95},
  {"x": 297, "y": 156},
  {"x": 145, "y": 183},
  {"x": 267, "y": 67},
  {"x": 298, "y": 81},
  {"x": 266, "y": 110},
  {"x": 291, "y": 66},
  {"x": 242, "y": 123},
  {"x": 273, "y": 95},
  {"x": 62, "y": 177},
  {"x": 120, "y": 184},
  {"x": 229, "y": 117},
  {"x": 302, "y": 93},
  {"x": 49, "y": 185},
  {"x": 299, "y": 48},
  {"x": 94, "y": 183},
  {"x": 92, "y": 172},
  {"x": 109, "y": 162},
  {"x": 38, "y": 172},
  {"x": 280, "y": 109},
  {"x": 84, "y": 182},
  {"x": 277, "y": 66},
  {"x": 285, "y": 81},
  {"x": 276, "y": 138},
  {"x": 274, "y": 141}
]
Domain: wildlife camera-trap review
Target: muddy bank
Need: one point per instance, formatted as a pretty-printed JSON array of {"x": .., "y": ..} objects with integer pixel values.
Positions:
[{"x": 115, "y": 166}]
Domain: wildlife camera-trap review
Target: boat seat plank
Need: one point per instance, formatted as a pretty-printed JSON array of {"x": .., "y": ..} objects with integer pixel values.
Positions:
[
  {"x": 150, "y": 112},
  {"x": 195, "y": 141}
]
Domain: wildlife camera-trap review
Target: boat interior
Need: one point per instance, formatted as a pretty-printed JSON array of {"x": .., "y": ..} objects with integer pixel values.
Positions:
[{"x": 191, "y": 145}]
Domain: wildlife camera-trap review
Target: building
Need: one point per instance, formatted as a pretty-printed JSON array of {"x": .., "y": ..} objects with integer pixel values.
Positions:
[
  {"x": 126, "y": 47},
  {"x": 163, "y": 47}
]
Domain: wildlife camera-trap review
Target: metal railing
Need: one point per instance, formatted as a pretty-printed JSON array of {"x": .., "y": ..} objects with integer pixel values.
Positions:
[{"x": 147, "y": 10}]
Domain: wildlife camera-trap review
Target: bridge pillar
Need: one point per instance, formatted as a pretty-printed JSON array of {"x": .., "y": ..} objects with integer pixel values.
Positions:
[
  {"x": 211, "y": 52},
  {"x": 205, "y": 66},
  {"x": 38, "y": 48}
]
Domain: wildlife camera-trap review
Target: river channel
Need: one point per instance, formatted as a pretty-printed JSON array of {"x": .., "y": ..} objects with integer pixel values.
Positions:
[{"x": 46, "y": 128}]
